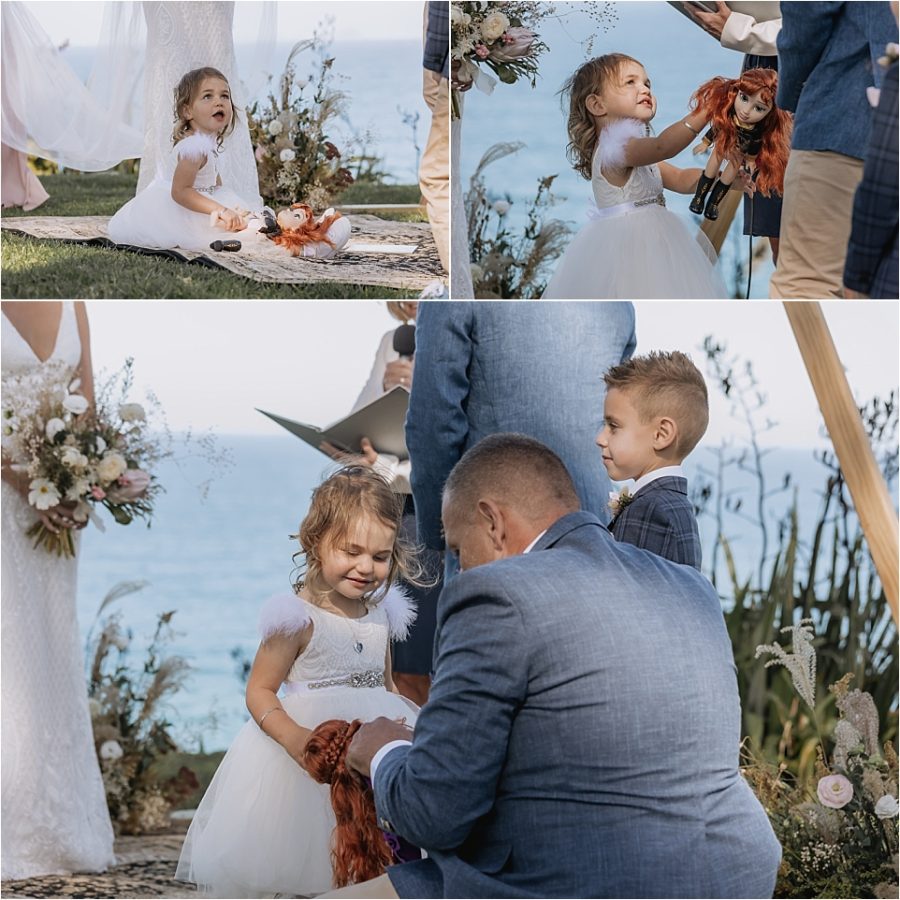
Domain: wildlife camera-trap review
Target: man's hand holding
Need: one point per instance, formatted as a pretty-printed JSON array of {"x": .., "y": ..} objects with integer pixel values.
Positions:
[{"x": 370, "y": 738}]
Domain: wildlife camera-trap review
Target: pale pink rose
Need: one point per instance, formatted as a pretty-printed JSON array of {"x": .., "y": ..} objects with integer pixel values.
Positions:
[
  {"x": 834, "y": 791},
  {"x": 260, "y": 153},
  {"x": 481, "y": 51},
  {"x": 132, "y": 485},
  {"x": 98, "y": 493},
  {"x": 516, "y": 44}
]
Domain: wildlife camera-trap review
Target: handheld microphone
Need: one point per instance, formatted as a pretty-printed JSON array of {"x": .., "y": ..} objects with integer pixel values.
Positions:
[
  {"x": 405, "y": 341},
  {"x": 231, "y": 245}
]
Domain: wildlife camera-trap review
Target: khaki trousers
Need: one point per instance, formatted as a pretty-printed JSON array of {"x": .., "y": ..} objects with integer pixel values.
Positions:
[
  {"x": 434, "y": 168},
  {"x": 379, "y": 888},
  {"x": 819, "y": 187}
]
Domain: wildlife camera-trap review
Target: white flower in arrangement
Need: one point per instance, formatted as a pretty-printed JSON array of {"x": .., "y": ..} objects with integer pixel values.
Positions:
[
  {"x": 111, "y": 750},
  {"x": 458, "y": 17},
  {"x": 887, "y": 807},
  {"x": 494, "y": 25},
  {"x": 132, "y": 412},
  {"x": 100, "y": 445},
  {"x": 834, "y": 791},
  {"x": 287, "y": 155},
  {"x": 801, "y": 663},
  {"x": 476, "y": 271},
  {"x": 53, "y": 428},
  {"x": 43, "y": 493},
  {"x": 501, "y": 207},
  {"x": 275, "y": 127},
  {"x": 301, "y": 82},
  {"x": 94, "y": 708},
  {"x": 111, "y": 466},
  {"x": 73, "y": 458},
  {"x": 76, "y": 404}
]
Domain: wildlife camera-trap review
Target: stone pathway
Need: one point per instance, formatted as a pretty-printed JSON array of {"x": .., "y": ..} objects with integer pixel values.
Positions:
[{"x": 145, "y": 867}]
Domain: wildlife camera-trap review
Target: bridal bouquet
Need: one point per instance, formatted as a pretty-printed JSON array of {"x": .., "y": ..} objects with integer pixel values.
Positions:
[
  {"x": 500, "y": 36},
  {"x": 75, "y": 455}
]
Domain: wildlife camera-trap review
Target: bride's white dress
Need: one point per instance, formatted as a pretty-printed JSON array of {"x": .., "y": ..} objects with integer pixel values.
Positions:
[
  {"x": 55, "y": 818},
  {"x": 181, "y": 37}
]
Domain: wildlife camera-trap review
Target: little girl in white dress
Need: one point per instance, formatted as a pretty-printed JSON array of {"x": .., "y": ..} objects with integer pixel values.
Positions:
[
  {"x": 632, "y": 247},
  {"x": 175, "y": 209},
  {"x": 264, "y": 825}
]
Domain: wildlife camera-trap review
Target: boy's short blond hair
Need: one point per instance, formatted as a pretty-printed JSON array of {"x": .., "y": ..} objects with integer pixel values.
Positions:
[{"x": 666, "y": 384}]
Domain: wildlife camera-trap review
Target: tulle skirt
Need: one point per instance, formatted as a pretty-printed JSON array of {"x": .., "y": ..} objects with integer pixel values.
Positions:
[
  {"x": 264, "y": 826},
  {"x": 153, "y": 219},
  {"x": 645, "y": 255}
]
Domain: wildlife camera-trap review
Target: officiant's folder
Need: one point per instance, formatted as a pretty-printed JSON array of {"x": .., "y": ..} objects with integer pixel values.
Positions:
[
  {"x": 381, "y": 421},
  {"x": 761, "y": 11}
]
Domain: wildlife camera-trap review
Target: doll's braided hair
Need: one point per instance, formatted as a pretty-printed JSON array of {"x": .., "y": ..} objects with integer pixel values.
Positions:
[{"x": 359, "y": 849}]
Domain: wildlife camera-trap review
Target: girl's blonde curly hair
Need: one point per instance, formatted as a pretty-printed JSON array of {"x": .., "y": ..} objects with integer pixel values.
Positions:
[
  {"x": 589, "y": 78},
  {"x": 186, "y": 92},
  {"x": 338, "y": 504}
]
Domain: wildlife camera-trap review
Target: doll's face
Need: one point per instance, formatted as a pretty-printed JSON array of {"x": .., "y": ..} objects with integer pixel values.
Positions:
[
  {"x": 291, "y": 219},
  {"x": 751, "y": 108}
]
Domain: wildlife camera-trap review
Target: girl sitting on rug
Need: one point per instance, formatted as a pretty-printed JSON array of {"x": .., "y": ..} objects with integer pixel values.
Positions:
[
  {"x": 632, "y": 247},
  {"x": 265, "y": 824}
]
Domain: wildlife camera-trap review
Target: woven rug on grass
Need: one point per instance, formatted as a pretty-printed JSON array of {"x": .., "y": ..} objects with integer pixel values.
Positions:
[{"x": 381, "y": 253}]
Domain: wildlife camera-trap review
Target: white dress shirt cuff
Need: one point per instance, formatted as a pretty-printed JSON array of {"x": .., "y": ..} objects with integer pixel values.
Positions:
[
  {"x": 382, "y": 753},
  {"x": 744, "y": 33}
]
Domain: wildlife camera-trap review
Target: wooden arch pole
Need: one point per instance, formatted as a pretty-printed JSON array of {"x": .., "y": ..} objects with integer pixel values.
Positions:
[{"x": 851, "y": 444}]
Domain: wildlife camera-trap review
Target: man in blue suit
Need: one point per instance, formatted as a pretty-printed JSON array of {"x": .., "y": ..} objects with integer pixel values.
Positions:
[
  {"x": 533, "y": 368},
  {"x": 581, "y": 737}
]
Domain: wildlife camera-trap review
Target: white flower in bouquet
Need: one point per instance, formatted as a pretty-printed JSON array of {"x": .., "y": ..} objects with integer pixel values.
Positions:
[
  {"x": 111, "y": 466},
  {"x": 287, "y": 155},
  {"x": 501, "y": 207},
  {"x": 111, "y": 750},
  {"x": 99, "y": 445},
  {"x": 78, "y": 489},
  {"x": 73, "y": 458},
  {"x": 53, "y": 428},
  {"x": 43, "y": 494},
  {"x": 458, "y": 17},
  {"x": 75, "y": 404},
  {"x": 275, "y": 127},
  {"x": 834, "y": 791},
  {"x": 131, "y": 412},
  {"x": 494, "y": 25},
  {"x": 887, "y": 807}
]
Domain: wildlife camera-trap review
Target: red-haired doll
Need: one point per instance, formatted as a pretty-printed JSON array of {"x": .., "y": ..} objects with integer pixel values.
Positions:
[
  {"x": 301, "y": 234},
  {"x": 746, "y": 129}
]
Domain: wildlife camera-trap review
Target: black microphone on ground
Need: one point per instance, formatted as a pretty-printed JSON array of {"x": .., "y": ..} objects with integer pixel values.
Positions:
[
  {"x": 405, "y": 341},
  {"x": 231, "y": 245}
]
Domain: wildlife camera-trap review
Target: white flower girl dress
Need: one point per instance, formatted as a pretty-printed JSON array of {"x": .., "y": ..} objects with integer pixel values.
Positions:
[
  {"x": 264, "y": 825},
  {"x": 153, "y": 219},
  {"x": 632, "y": 246}
]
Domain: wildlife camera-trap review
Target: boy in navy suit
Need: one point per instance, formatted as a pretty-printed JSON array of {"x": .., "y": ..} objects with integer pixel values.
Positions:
[{"x": 656, "y": 411}]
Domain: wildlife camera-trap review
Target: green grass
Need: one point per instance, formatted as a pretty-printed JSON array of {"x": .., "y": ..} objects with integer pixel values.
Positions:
[{"x": 38, "y": 269}]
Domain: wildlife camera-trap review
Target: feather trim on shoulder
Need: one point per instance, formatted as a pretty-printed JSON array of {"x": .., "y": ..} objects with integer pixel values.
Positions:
[
  {"x": 401, "y": 612},
  {"x": 614, "y": 138},
  {"x": 196, "y": 146},
  {"x": 282, "y": 614}
]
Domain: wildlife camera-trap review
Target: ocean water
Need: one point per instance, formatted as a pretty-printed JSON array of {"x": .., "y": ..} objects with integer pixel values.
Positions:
[
  {"x": 215, "y": 560},
  {"x": 678, "y": 57},
  {"x": 382, "y": 81}
]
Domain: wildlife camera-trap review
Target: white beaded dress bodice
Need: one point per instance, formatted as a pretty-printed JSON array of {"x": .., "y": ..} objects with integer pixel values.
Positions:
[
  {"x": 644, "y": 183},
  {"x": 341, "y": 646}
]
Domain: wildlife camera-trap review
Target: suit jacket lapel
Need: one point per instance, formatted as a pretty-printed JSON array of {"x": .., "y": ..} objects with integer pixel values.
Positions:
[{"x": 561, "y": 527}]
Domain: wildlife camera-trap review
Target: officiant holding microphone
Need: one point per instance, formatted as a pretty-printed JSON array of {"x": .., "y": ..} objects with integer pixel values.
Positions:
[{"x": 393, "y": 367}]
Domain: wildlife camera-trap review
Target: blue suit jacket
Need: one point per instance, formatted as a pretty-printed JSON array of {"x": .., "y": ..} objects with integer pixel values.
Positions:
[
  {"x": 827, "y": 57},
  {"x": 872, "y": 261},
  {"x": 582, "y": 735},
  {"x": 533, "y": 368},
  {"x": 661, "y": 519}
]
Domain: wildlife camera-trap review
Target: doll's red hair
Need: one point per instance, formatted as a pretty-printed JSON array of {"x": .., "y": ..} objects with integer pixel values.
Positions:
[
  {"x": 311, "y": 232},
  {"x": 716, "y": 98},
  {"x": 359, "y": 850}
]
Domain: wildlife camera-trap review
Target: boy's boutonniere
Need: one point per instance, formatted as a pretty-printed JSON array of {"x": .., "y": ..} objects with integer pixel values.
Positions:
[
  {"x": 618, "y": 500},
  {"x": 886, "y": 61}
]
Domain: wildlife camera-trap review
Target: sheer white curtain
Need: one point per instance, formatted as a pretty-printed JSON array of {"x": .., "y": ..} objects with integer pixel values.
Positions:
[{"x": 47, "y": 110}]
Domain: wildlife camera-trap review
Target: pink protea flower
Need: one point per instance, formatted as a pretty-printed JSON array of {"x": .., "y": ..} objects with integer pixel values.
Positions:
[
  {"x": 834, "y": 791},
  {"x": 517, "y": 43},
  {"x": 131, "y": 485}
]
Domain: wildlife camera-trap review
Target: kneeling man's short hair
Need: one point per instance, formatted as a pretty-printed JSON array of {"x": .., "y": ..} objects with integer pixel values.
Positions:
[{"x": 516, "y": 468}]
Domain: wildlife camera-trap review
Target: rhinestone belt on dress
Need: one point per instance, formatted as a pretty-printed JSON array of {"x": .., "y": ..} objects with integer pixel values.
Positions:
[{"x": 369, "y": 679}]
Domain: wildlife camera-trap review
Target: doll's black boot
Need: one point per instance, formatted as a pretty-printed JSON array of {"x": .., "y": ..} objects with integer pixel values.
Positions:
[
  {"x": 715, "y": 198},
  {"x": 703, "y": 186}
]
